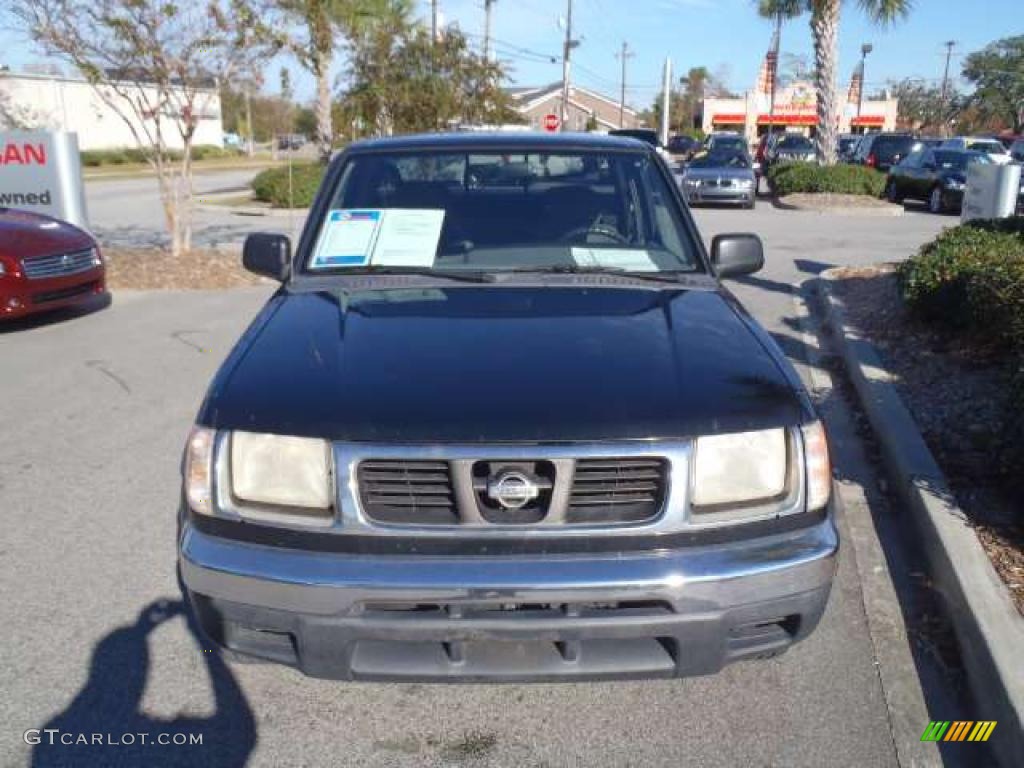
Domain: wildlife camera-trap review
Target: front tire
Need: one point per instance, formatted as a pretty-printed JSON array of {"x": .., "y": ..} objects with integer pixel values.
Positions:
[{"x": 935, "y": 201}]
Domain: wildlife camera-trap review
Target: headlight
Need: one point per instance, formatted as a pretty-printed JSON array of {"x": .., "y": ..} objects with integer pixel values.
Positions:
[
  {"x": 283, "y": 471},
  {"x": 94, "y": 252},
  {"x": 199, "y": 470},
  {"x": 739, "y": 468},
  {"x": 744, "y": 183},
  {"x": 954, "y": 184},
  {"x": 692, "y": 182}
]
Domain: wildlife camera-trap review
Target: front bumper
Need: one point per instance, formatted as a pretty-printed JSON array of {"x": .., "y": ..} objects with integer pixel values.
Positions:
[
  {"x": 20, "y": 297},
  {"x": 657, "y": 613},
  {"x": 719, "y": 195}
]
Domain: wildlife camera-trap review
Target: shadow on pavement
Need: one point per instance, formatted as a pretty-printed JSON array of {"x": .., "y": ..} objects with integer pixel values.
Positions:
[{"x": 110, "y": 701}]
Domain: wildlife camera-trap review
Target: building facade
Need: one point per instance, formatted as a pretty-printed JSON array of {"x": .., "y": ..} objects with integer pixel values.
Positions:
[
  {"x": 65, "y": 104},
  {"x": 794, "y": 106},
  {"x": 585, "y": 107},
  {"x": 795, "y": 110}
]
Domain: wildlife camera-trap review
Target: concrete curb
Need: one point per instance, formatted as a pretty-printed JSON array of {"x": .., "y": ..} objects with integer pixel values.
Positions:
[{"x": 988, "y": 626}]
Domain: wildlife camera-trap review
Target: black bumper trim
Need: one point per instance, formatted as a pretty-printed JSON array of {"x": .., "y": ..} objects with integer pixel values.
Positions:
[{"x": 356, "y": 544}]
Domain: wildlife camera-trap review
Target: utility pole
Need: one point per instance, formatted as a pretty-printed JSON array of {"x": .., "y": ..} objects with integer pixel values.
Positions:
[
  {"x": 433, "y": 21},
  {"x": 945, "y": 82},
  {"x": 487, "y": 28},
  {"x": 666, "y": 98},
  {"x": 626, "y": 54},
  {"x": 566, "y": 50}
]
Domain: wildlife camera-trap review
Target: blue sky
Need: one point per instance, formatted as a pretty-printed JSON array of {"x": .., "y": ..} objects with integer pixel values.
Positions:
[{"x": 724, "y": 35}]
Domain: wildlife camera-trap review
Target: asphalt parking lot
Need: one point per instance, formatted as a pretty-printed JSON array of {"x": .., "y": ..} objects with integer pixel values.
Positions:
[{"x": 95, "y": 410}]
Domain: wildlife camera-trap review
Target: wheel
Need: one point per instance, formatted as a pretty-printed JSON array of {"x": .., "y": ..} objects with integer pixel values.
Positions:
[
  {"x": 890, "y": 192},
  {"x": 935, "y": 204}
]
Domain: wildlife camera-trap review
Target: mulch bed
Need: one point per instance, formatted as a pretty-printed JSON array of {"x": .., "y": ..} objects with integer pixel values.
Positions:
[
  {"x": 152, "y": 269},
  {"x": 834, "y": 201},
  {"x": 956, "y": 388}
]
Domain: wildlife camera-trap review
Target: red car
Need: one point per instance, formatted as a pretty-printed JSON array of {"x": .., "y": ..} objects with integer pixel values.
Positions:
[{"x": 46, "y": 264}]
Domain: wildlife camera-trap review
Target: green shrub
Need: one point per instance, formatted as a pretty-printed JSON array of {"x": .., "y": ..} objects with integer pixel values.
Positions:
[
  {"x": 94, "y": 158},
  {"x": 972, "y": 278},
  {"x": 271, "y": 186},
  {"x": 791, "y": 178}
]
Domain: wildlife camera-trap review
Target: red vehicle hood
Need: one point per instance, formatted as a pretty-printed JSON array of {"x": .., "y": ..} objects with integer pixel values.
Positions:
[{"x": 24, "y": 234}]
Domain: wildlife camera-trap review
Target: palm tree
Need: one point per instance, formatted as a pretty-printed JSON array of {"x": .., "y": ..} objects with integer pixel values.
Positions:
[
  {"x": 779, "y": 11},
  {"x": 825, "y": 32}
]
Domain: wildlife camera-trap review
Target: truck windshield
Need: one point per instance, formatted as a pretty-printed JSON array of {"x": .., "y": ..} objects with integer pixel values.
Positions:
[{"x": 503, "y": 211}]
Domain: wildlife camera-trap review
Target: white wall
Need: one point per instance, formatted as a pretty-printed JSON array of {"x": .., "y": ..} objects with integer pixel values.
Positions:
[{"x": 73, "y": 105}]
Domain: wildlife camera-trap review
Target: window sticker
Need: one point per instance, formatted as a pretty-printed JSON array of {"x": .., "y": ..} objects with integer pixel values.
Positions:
[
  {"x": 408, "y": 237},
  {"x": 347, "y": 239},
  {"x": 405, "y": 237},
  {"x": 631, "y": 259}
]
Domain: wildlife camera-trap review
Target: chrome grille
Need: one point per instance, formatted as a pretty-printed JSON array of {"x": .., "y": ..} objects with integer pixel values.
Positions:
[
  {"x": 616, "y": 490},
  {"x": 58, "y": 265}
]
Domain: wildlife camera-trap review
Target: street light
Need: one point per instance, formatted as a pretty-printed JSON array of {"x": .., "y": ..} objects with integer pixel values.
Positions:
[{"x": 864, "y": 51}]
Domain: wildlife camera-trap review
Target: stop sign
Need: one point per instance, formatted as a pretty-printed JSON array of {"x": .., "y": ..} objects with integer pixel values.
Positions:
[{"x": 551, "y": 123}]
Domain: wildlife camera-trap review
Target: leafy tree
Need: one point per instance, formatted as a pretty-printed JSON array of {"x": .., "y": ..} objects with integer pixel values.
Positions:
[
  {"x": 402, "y": 81},
  {"x": 997, "y": 72},
  {"x": 921, "y": 106},
  {"x": 317, "y": 24},
  {"x": 824, "y": 20},
  {"x": 686, "y": 105},
  {"x": 157, "y": 66}
]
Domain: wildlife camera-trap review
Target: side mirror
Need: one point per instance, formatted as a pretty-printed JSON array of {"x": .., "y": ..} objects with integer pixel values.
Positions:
[
  {"x": 268, "y": 254},
  {"x": 736, "y": 254}
]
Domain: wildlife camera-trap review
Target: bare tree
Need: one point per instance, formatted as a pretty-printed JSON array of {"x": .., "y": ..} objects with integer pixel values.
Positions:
[{"x": 157, "y": 65}]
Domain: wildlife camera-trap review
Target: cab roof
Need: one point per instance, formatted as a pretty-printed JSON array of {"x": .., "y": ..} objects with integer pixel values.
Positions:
[{"x": 511, "y": 140}]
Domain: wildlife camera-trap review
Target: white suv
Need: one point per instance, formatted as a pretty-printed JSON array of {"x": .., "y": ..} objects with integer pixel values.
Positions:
[{"x": 991, "y": 147}]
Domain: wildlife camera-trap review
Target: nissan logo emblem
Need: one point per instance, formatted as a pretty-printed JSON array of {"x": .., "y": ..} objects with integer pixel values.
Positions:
[{"x": 512, "y": 490}]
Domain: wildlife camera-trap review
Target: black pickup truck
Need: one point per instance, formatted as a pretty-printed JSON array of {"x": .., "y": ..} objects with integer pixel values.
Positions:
[{"x": 501, "y": 421}]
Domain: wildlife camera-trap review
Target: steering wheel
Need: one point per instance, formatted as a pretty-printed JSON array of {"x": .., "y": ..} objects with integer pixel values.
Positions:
[{"x": 601, "y": 230}]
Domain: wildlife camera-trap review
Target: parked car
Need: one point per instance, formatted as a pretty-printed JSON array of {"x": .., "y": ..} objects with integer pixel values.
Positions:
[
  {"x": 681, "y": 147},
  {"x": 46, "y": 264},
  {"x": 232, "y": 141},
  {"x": 643, "y": 134},
  {"x": 991, "y": 147},
  {"x": 527, "y": 433},
  {"x": 883, "y": 150},
  {"x": 937, "y": 176},
  {"x": 926, "y": 142},
  {"x": 846, "y": 144},
  {"x": 720, "y": 176},
  {"x": 289, "y": 141},
  {"x": 791, "y": 148},
  {"x": 733, "y": 142},
  {"x": 1017, "y": 151}
]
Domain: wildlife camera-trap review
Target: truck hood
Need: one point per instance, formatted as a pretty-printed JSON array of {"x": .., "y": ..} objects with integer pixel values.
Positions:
[{"x": 502, "y": 364}]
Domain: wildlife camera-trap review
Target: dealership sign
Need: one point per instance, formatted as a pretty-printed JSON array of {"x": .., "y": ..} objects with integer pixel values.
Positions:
[{"x": 40, "y": 171}]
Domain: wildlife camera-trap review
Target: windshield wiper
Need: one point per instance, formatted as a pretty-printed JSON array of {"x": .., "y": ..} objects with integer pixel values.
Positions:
[
  {"x": 580, "y": 269},
  {"x": 466, "y": 276}
]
